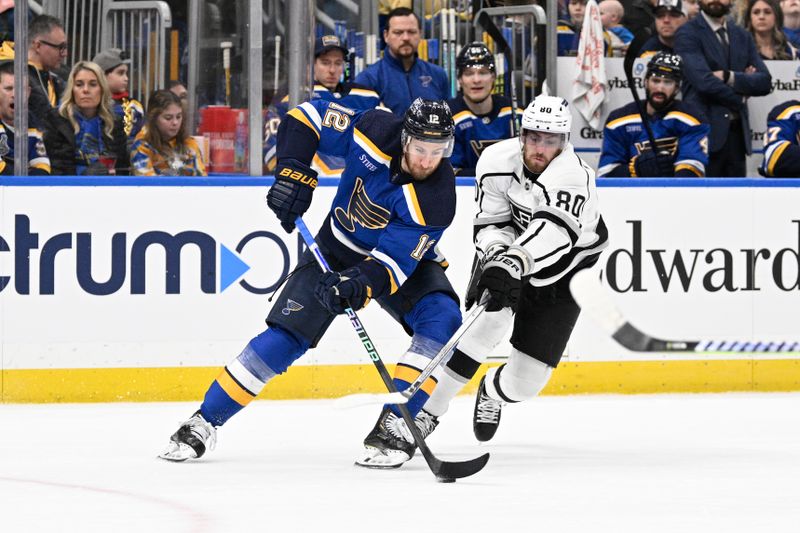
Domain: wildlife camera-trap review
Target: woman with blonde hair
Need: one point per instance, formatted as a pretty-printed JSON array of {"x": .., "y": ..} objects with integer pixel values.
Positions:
[
  {"x": 764, "y": 20},
  {"x": 82, "y": 136},
  {"x": 163, "y": 148}
]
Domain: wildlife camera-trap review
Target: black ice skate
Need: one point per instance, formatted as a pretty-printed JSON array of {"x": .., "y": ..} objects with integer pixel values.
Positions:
[
  {"x": 192, "y": 440},
  {"x": 486, "y": 418},
  {"x": 390, "y": 444}
]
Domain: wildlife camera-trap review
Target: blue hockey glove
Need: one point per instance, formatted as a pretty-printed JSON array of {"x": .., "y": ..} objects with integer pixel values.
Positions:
[
  {"x": 648, "y": 165},
  {"x": 336, "y": 290},
  {"x": 290, "y": 195},
  {"x": 502, "y": 277}
]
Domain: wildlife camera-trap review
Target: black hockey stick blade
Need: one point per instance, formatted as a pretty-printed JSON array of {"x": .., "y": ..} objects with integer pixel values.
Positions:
[{"x": 597, "y": 303}]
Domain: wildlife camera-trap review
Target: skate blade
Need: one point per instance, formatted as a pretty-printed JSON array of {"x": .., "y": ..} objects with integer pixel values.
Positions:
[
  {"x": 376, "y": 459},
  {"x": 177, "y": 452}
]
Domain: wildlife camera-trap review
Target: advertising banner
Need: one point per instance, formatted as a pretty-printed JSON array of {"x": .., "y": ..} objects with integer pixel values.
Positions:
[{"x": 169, "y": 277}]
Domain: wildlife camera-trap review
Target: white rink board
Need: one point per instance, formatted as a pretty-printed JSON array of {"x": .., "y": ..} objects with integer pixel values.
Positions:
[{"x": 74, "y": 329}]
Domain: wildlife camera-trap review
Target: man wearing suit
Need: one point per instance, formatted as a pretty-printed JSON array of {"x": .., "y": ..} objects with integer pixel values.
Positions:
[{"x": 722, "y": 68}]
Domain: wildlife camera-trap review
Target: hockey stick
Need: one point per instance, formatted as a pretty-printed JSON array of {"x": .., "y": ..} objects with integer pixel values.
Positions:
[
  {"x": 627, "y": 65},
  {"x": 497, "y": 36},
  {"x": 595, "y": 300},
  {"x": 445, "y": 471},
  {"x": 354, "y": 400}
]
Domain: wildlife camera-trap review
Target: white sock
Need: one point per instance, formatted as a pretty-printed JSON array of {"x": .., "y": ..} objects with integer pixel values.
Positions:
[
  {"x": 522, "y": 378},
  {"x": 446, "y": 389}
]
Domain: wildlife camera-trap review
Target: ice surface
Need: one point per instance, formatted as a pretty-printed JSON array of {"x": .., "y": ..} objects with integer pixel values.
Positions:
[{"x": 670, "y": 463}]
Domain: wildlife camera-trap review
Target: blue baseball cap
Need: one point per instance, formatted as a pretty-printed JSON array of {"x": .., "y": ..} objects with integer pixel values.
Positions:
[{"x": 329, "y": 42}]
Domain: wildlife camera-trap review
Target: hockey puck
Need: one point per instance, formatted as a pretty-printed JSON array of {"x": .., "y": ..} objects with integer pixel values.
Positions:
[{"x": 445, "y": 480}]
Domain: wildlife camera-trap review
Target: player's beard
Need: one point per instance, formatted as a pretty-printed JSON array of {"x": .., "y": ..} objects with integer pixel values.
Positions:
[
  {"x": 659, "y": 106},
  {"x": 415, "y": 171},
  {"x": 715, "y": 9}
]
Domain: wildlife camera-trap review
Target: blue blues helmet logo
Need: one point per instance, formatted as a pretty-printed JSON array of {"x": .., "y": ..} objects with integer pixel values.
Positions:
[{"x": 638, "y": 69}]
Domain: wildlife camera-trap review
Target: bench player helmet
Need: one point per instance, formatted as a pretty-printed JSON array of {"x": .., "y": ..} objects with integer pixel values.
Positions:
[
  {"x": 665, "y": 65},
  {"x": 429, "y": 121},
  {"x": 474, "y": 54}
]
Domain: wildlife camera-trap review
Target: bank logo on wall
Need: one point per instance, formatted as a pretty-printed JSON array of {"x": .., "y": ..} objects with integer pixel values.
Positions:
[{"x": 219, "y": 266}]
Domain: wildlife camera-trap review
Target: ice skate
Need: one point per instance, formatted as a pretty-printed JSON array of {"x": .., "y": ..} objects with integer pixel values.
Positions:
[
  {"x": 486, "y": 418},
  {"x": 191, "y": 441},
  {"x": 390, "y": 444}
]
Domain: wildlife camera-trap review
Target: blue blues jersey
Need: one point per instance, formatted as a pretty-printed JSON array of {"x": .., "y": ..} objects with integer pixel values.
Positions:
[
  {"x": 379, "y": 212},
  {"x": 347, "y": 94},
  {"x": 680, "y": 130},
  {"x": 474, "y": 133},
  {"x": 38, "y": 162},
  {"x": 132, "y": 114},
  {"x": 782, "y": 141},
  {"x": 652, "y": 46}
]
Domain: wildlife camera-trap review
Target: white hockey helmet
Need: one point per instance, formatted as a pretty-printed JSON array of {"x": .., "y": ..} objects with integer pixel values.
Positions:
[{"x": 549, "y": 114}]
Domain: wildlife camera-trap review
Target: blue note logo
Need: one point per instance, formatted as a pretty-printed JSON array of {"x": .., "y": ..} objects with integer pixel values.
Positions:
[{"x": 291, "y": 305}]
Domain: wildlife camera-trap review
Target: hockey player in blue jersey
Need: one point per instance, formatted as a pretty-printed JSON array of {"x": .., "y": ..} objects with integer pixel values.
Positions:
[
  {"x": 330, "y": 57},
  {"x": 394, "y": 200},
  {"x": 481, "y": 118},
  {"x": 782, "y": 142},
  {"x": 680, "y": 130}
]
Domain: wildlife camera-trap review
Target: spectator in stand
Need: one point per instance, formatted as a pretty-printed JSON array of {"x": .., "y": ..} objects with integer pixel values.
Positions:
[
  {"x": 722, "y": 69},
  {"x": 640, "y": 16},
  {"x": 781, "y": 148},
  {"x": 38, "y": 162},
  {"x": 163, "y": 148},
  {"x": 680, "y": 130},
  {"x": 481, "y": 118},
  {"x": 611, "y": 14},
  {"x": 791, "y": 21},
  {"x": 692, "y": 8},
  {"x": 179, "y": 89},
  {"x": 764, "y": 21},
  {"x": 330, "y": 56},
  {"x": 401, "y": 76},
  {"x": 669, "y": 17},
  {"x": 569, "y": 30},
  {"x": 114, "y": 63},
  {"x": 47, "y": 51},
  {"x": 82, "y": 135}
]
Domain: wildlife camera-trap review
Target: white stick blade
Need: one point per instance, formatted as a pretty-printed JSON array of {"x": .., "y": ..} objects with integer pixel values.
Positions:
[
  {"x": 357, "y": 400},
  {"x": 595, "y": 300}
]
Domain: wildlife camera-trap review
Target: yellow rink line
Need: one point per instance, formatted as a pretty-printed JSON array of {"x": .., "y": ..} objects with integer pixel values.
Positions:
[{"x": 307, "y": 382}]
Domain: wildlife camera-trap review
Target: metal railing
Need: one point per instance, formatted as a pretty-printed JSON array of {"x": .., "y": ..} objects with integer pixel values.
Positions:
[
  {"x": 526, "y": 30},
  {"x": 141, "y": 29}
]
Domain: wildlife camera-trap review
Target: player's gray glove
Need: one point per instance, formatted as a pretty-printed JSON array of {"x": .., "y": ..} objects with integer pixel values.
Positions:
[
  {"x": 648, "y": 165},
  {"x": 502, "y": 278},
  {"x": 336, "y": 291},
  {"x": 290, "y": 195}
]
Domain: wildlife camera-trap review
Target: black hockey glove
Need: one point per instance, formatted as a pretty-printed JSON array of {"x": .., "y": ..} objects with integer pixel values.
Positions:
[
  {"x": 339, "y": 290},
  {"x": 648, "y": 165},
  {"x": 502, "y": 277},
  {"x": 478, "y": 266},
  {"x": 290, "y": 195}
]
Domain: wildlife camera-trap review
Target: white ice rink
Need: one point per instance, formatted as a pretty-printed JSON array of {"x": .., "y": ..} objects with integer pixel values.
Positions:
[{"x": 684, "y": 463}]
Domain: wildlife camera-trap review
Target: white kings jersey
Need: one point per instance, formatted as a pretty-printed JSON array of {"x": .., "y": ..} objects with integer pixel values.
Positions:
[{"x": 552, "y": 224}]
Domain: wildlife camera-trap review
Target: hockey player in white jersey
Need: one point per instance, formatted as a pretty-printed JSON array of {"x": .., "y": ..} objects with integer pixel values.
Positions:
[{"x": 537, "y": 223}]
